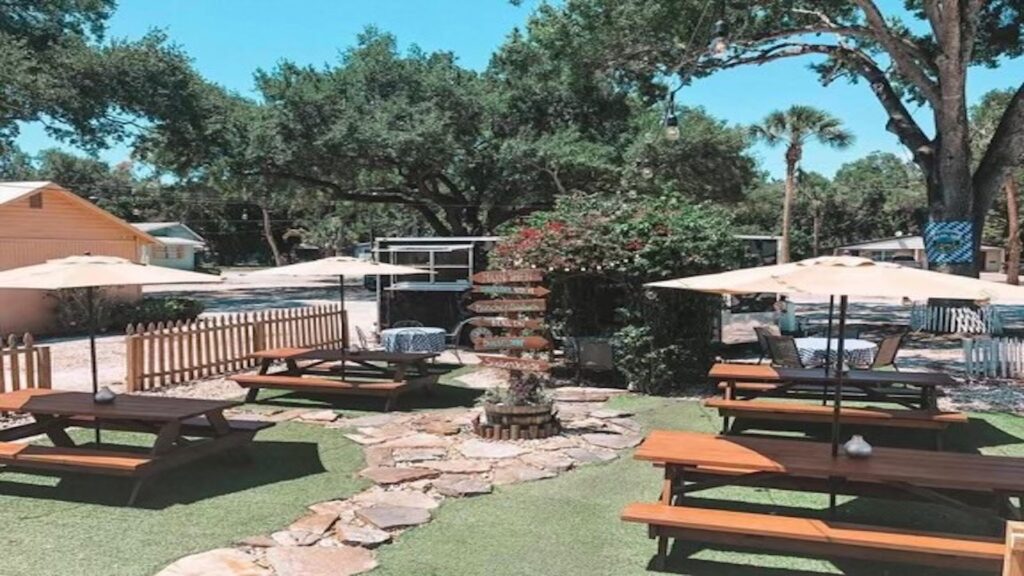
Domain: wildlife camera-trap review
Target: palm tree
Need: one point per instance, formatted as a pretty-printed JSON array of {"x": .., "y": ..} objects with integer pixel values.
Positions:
[{"x": 795, "y": 127}]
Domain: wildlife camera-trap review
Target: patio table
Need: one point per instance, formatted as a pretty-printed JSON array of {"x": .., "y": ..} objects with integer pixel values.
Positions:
[
  {"x": 874, "y": 385},
  {"x": 856, "y": 352},
  {"x": 751, "y": 461},
  {"x": 170, "y": 419},
  {"x": 418, "y": 339}
]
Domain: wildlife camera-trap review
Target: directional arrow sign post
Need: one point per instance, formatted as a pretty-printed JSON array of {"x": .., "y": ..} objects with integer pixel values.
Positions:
[
  {"x": 512, "y": 343},
  {"x": 533, "y": 305},
  {"x": 495, "y": 322},
  {"x": 520, "y": 364},
  {"x": 538, "y": 291},
  {"x": 508, "y": 276}
]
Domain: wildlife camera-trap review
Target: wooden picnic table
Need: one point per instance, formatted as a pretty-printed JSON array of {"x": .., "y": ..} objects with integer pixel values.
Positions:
[
  {"x": 874, "y": 385},
  {"x": 376, "y": 361},
  {"x": 375, "y": 372},
  {"x": 175, "y": 422},
  {"x": 745, "y": 460}
]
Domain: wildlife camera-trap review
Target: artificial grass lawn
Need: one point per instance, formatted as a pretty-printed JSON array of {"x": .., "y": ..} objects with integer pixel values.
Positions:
[
  {"x": 570, "y": 525},
  {"x": 78, "y": 524}
]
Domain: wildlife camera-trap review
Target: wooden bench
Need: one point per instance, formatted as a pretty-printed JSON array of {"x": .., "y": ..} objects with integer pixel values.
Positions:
[
  {"x": 817, "y": 414},
  {"x": 813, "y": 392},
  {"x": 197, "y": 426},
  {"x": 59, "y": 459},
  {"x": 815, "y": 537},
  {"x": 316, "y": 385}
]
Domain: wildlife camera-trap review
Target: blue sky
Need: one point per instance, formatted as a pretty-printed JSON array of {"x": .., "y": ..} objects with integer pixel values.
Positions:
[{"x": 229, "y": 39}]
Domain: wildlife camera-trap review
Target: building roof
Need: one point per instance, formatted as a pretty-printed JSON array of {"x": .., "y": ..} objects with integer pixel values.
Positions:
[
  {"x": 173, "y": 241},
  {"x": 154, "y": 227},
  {"x": 896, "y": 243},
  {"x": 12, "y": 191}
]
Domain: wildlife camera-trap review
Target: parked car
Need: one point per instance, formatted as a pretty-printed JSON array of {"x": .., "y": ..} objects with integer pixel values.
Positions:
[{"x": 907, "y": 261}]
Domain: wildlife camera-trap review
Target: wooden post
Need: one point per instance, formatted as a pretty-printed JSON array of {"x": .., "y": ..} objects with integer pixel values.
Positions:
[
  {"x": 12, "y": 345},
  {"x": 1013, "y": 561}
]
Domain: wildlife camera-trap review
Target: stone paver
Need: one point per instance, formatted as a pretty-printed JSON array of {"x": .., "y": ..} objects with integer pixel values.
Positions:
[
  {"x": 491, "y": 450},
  {"x": 591, "y": 455},
  {"x": 406, "y": 498},
  {"x": 377, "y": 456},
  {"x": 319, "y": 416},
  {"x": 295, "y": 538},
  {"x": 316, "y": 523},
  {"x": 614, "y": 441},
  {"x": 365, "y": 536},
  {"x": 321, "y": 561},
  {"x": 386, "y": 475},
  {"x": 459, "y": 466},
  {"x": 418, "y": 454},
  {"x": 419, "y": 440},
  {"x": 517, "y": 472},
  {"x": 462, "y": 485},
  {"x": 389, "y": 517},
  {"x": 554, "y": 461},
  {"x": 605, "y": 413},
  {"x": 219, "y": 562}
]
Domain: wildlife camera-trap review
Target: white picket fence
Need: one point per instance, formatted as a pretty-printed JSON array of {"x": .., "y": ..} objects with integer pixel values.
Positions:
[
  {"x": 946, "y": 320},
  {"x": 986, "y": 357}
]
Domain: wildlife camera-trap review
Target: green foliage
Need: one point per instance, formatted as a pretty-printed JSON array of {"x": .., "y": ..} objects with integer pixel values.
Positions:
[
  {"x": 154, "y": 310},
  {"x": 599, "y": 250},
  {"x": 798, "y": 124}
]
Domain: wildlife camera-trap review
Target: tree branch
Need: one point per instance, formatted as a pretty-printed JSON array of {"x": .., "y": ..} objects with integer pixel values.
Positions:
[
  {"x": 905, "y": 61},
  {"x": 1004, "y": 153},
  {"x": 901, "y": 123}
]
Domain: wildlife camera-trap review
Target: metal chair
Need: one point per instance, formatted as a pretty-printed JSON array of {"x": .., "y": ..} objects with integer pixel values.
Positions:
[
  {"x": 407, "y": 324},
  {"x": 887, "y": 350},
  {"x": 762, "y": 333},
  {"x": 849, "y": 332},
  {"x": 784, "y": 352},
  {"x": 364, "y": 340}
]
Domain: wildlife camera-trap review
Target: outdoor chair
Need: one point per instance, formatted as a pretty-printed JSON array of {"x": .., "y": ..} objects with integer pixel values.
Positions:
[
  {"x": 762, "y": 333},
  {"x": 784, "y": 352},
  {"x": 454, "y": 338},
  {"x": 849, "y": 332},
  {"x": 364, "y": 340},
  {"x": 887, "y": 350},
  {"x": 407, "y": 324}
]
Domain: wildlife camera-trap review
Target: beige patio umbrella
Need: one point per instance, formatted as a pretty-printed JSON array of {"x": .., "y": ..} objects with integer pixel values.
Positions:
[
  {"x": 91, "y": 272},
  {"x": 846, "y": 276},
  {"x": 340, "y": 266}
]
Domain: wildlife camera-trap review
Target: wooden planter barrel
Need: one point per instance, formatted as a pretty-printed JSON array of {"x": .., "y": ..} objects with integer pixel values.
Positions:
[{"x": 517, "y": 422}]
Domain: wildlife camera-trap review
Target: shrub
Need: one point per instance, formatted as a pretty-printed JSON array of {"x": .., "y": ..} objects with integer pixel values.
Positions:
[
  {"x": 153, "y": 310},
  {"x": 599, "y": 251}
]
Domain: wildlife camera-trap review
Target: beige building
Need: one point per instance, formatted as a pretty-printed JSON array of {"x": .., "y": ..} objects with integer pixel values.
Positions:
[
  {"x": 909, "y": 250},
  {"x": 40, "y": 221}
]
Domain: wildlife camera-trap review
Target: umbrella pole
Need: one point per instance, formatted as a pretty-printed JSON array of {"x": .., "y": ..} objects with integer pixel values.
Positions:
[
  {"x": 828, "y": 347},
  {"x": 90, "y": 303},
  {"x": 837, "y": 397}
]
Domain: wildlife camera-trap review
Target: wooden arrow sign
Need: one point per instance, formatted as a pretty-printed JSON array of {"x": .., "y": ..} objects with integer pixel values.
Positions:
[
  {"x": 538, "y": 291},
  {"x": 506, "y": 323},
  {"x": 508, "y": 276},
  {"x": 512, "y": 343},
  {"x": 521, "y": 364},
  {"x": 533, "y": 305}
]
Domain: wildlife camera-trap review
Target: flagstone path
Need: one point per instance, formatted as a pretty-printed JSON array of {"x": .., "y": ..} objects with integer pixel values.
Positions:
[{"x": 416, "y": 461}]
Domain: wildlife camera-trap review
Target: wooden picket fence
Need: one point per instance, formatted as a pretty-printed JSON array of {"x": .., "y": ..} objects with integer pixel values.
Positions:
[
  {"x": 986, "y": 357},
  {"x": 23, "y": 364},
  {"x": 163, "y": 354},
  {"x": 947, "y": 320}
]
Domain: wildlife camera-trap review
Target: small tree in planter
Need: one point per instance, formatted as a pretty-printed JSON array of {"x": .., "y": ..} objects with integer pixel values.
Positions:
[{"x": 523, "y": 409}]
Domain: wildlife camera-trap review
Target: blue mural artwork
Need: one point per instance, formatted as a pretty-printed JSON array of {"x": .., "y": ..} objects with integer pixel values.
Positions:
[{"x": 950, "y": 242}]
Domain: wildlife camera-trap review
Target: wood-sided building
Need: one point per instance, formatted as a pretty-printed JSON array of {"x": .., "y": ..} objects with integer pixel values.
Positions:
[{"x": 41, "y": 221}]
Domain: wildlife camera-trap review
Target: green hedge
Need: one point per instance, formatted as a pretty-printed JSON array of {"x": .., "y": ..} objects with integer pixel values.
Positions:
[{"x": 114, "y": 315}]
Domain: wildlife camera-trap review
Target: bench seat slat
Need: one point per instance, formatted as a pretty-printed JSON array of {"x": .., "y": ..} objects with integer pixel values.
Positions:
[
  {"x": 810, "y": 412},
  {"x": 31, "y": 455},
  {"x": 307, "y": 382},
  {"x": 816, "y": 531}
]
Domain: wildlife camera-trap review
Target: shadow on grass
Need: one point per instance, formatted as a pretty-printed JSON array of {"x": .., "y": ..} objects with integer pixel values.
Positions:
[
  {"x": 681, "y": 562},
  {"x": 262, "y": 464},
  {"x": 442, "y": 396}
]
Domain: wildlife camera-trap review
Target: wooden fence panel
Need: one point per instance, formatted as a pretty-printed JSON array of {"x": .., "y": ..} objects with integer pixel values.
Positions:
[
  {"x": 23, "y": 364},
  {"x": 166, "y": 354}
]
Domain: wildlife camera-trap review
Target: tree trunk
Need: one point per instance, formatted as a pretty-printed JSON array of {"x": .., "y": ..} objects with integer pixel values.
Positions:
[
  {"x": 787, "y": 206},
  {"x": 268, "y": 234},
  {"x": 1013, "y": 231},
  {"x": 817, "y": 232}
]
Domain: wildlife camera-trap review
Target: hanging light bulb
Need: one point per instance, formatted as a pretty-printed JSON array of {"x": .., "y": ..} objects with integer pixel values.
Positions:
[
  {"x": 719, "y": 38},
  {"x": 671, "y": 122}
]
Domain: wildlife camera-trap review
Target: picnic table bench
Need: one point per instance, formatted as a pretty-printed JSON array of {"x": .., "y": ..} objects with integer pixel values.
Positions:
[
  {"x": 815, "y": 537},
  {"x": 693, "y": 462},
  {"x": 749, "y": 410},
  {"x": 176, "y": 423},
  {"x": 318, "y": 385}
]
